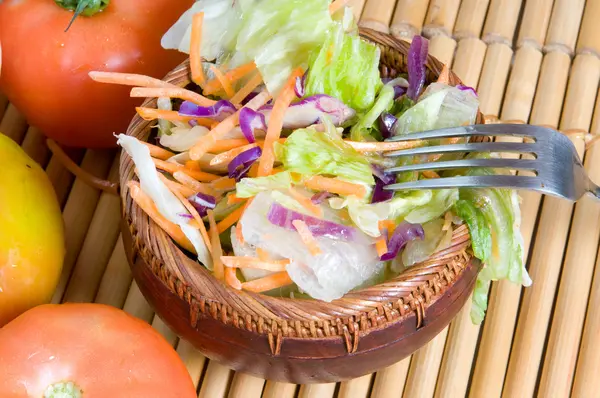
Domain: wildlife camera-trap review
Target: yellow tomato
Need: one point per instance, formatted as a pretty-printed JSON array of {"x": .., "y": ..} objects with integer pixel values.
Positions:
[{"x": 32, "y": 246}]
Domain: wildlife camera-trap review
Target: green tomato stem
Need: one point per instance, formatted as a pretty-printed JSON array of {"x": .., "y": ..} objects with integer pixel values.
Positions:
[
  {"x": 87, "y": 8},
  {"x": 63, "y": 390}
]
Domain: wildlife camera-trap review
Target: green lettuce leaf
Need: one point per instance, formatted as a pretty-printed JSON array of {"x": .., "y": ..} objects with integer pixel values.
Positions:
[
  {"x": 248, "y": 187},
  {"x": 346, "y": 67},
  {"x": 481, "y": 236},
  {"x": 440, "y": 203},
  {"x": 384, "y": 102},
  {"x": 309, "y": 152}
]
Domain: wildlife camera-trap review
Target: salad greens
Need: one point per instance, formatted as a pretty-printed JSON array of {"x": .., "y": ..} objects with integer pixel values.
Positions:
[{"x": 322, "y": 222}]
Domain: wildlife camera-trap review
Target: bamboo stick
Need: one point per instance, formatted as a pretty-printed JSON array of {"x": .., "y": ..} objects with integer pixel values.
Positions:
[
  {"x": 100, "y": 240},
  {"x": 116, "y": 280},
  {"x": 136, "y": 304},
  {"x": 564, "y": 25},
  {"x": 317, "y": 390},
  {"x": 469, "y": 60},
  {"x": 424, "y": 368},
  {"x": 501, "y": 21},
  {"x": 441, "y": 17},
  {"x": 389, "y": 382},
  {"x": 534, "y": 24},
  {"x": 78, "y": 213},
  {"x": 60, "y": 177},
  {"x": 160, "y": 326},
  {"x": 279, "y": 390},
  {"x": 589, "y": 35},
  {"x": 192, "y": 358},
  {"x": 546, "y": 258},
  {"x": 442, "y": 47},
  {"x": 357, "y": 7},
  {"x": 246, "y": 386},
  {"x": 455, "y": 369},
  {"x": 471, "y": 16},
  {"x": 587, "y": 382},
  {"x": 356, "y": 388},
  {"x": 408, "y": 18},
  {"x": 216, "y": 381},
  {"x": 494, "y": 75},
  {"x": 13, "y": 124},
  {"x": 570, "y": 307},
  {"x": 34, "y": 144},
  {"x": 377, "y": 15}
]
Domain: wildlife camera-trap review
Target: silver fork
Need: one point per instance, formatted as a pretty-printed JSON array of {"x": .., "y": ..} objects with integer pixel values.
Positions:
[{"x": 557, "y": 167}]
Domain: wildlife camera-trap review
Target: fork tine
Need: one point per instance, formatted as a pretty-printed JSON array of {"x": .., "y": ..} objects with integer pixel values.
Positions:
[
  {"x": 518, "y": 130},
  {"x": 515, "y": 164},
  {"x": 472, "y": 147},
  {"x": 493, "y": 181}
]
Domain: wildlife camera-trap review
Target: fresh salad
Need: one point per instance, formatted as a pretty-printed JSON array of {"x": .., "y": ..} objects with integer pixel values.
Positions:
[{"x": 271, "y": 167}]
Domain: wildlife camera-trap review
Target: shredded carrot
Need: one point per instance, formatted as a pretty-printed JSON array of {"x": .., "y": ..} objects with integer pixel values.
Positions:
[
  {"x": 174, "y": 186},
  {"x": 129, "y": 79},
  {"x": 153, "y": 114},
  {"x": 384, "y": 146},
  {"x": 186, "y": 203},
  {"x": 226, "y": 145},
  {"x": 267, "y": 283},
  {"x": 206, "y": 143},
  {"x": 232, "y": 279},
  {"x": 174, "y": 167},
  {"x": 224, "y": 184},
  {"x": 333, "y": 185},
  {"x": 262, "y": 254},
  {"x": 388, "y": 225},
  {"x": 306, "y": 237},
  {"x": 444, "y": 76},
  {"x": 253, "y": 172},
  {"x": 232, "y": 200},
  {"x": 148, "y": 206},
  {"x": 217, "y": 250},
  {"x": 250, "y": 86},
  {"x": 158, "y": 152},
  {"x": 306, "y": 202},
  {"x": 381, "y": 246},
  {"x": 430, "y": 174},
  {"x": 195, "y": 44},
  {"x": 231, "y": 219},
  {"x": 254, "y": 263},
  {"x": 283, "y": 101},
  {"x": 336, "y": 6},
  {"x": 225, "y": 83},
  {"x": 227, "y": 157},
  {"x": 191, "y": 183},
  {"x": 238, "y": 233},
  {"x": 181, "y": 93},
  {"x": 192, "y": 165},
  {"x": 232, "y": 76}
]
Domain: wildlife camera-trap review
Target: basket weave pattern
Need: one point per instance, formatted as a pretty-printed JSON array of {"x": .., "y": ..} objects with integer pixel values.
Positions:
[{"x": 356, "y": 314}]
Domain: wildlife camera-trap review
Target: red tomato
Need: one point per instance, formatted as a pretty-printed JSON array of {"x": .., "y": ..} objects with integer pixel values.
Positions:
[
  {"x": 45, "y": 69},
  {"x": 93, "y": 348}
]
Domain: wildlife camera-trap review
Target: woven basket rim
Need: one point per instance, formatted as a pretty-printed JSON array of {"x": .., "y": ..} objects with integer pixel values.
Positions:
[{"x": 369, "y": 308}]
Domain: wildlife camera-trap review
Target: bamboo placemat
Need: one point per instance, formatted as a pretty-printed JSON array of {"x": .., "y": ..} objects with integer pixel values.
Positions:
[{"x": 535, "y": 61}]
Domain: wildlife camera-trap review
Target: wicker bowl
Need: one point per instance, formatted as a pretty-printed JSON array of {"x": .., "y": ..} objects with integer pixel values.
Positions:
[{"x": 298, "y": 341}]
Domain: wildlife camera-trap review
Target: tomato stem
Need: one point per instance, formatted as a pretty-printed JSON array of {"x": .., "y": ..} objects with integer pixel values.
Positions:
[
  {"x": 63, "y": 390},
  {"x": 87, "y": 8}
]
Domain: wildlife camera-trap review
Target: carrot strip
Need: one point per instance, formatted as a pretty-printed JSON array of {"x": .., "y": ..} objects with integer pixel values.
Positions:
[
  {"x": 195, "y": 43},
  {"x": 384, "y": 146},
  {"x": 333, "y": 185},
  {"x": 231, "y": 219},
  {"x": 254, "y": 263},
  {"x": 226, "y": 145},
  {"x": 238, "y": 233},
  {"x": 430, "y": 174},
  {"x": 186, "y": 203},
  {"x": 262, "y": 254},
  {"x": 227, "y": 157},
  {"x": 381, "y": 246},
  {"x": 193, "y": 184},
  {"x": 217, "y": 250},
  {"x": 267, "y": 283},
  {"x": 174, "y": 167},
  {"x": 283, "y": 101},
  {"x": 129, "y": 79},
  {"x": 307, "y": 237},
  {"x": 336, "y": 5},
  {"x": 158, "y": 152},
  {"x": 153, "y": 114},
  {"x": 181, "y": 93},
  {"x": 148, "y": 206},
  {"x": 388, "y": 225},
  {"x": 444, "y": 76},
  {"x": 253, "y": 172},
  {"x": 174, "y": 186},
  {"x": 224, "y": 184},
  {"x": 247, "y": 88},
  {"x": 306, "y": 202},
  {"x": 206, "y": 143},
  {"x": 225, "y": 83},
  {"x": 232, "y": 200},
  {"x": 231, "y": 278},
  {"x": 191, "y": 165},
  {"x": 232, "y": 76}
]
